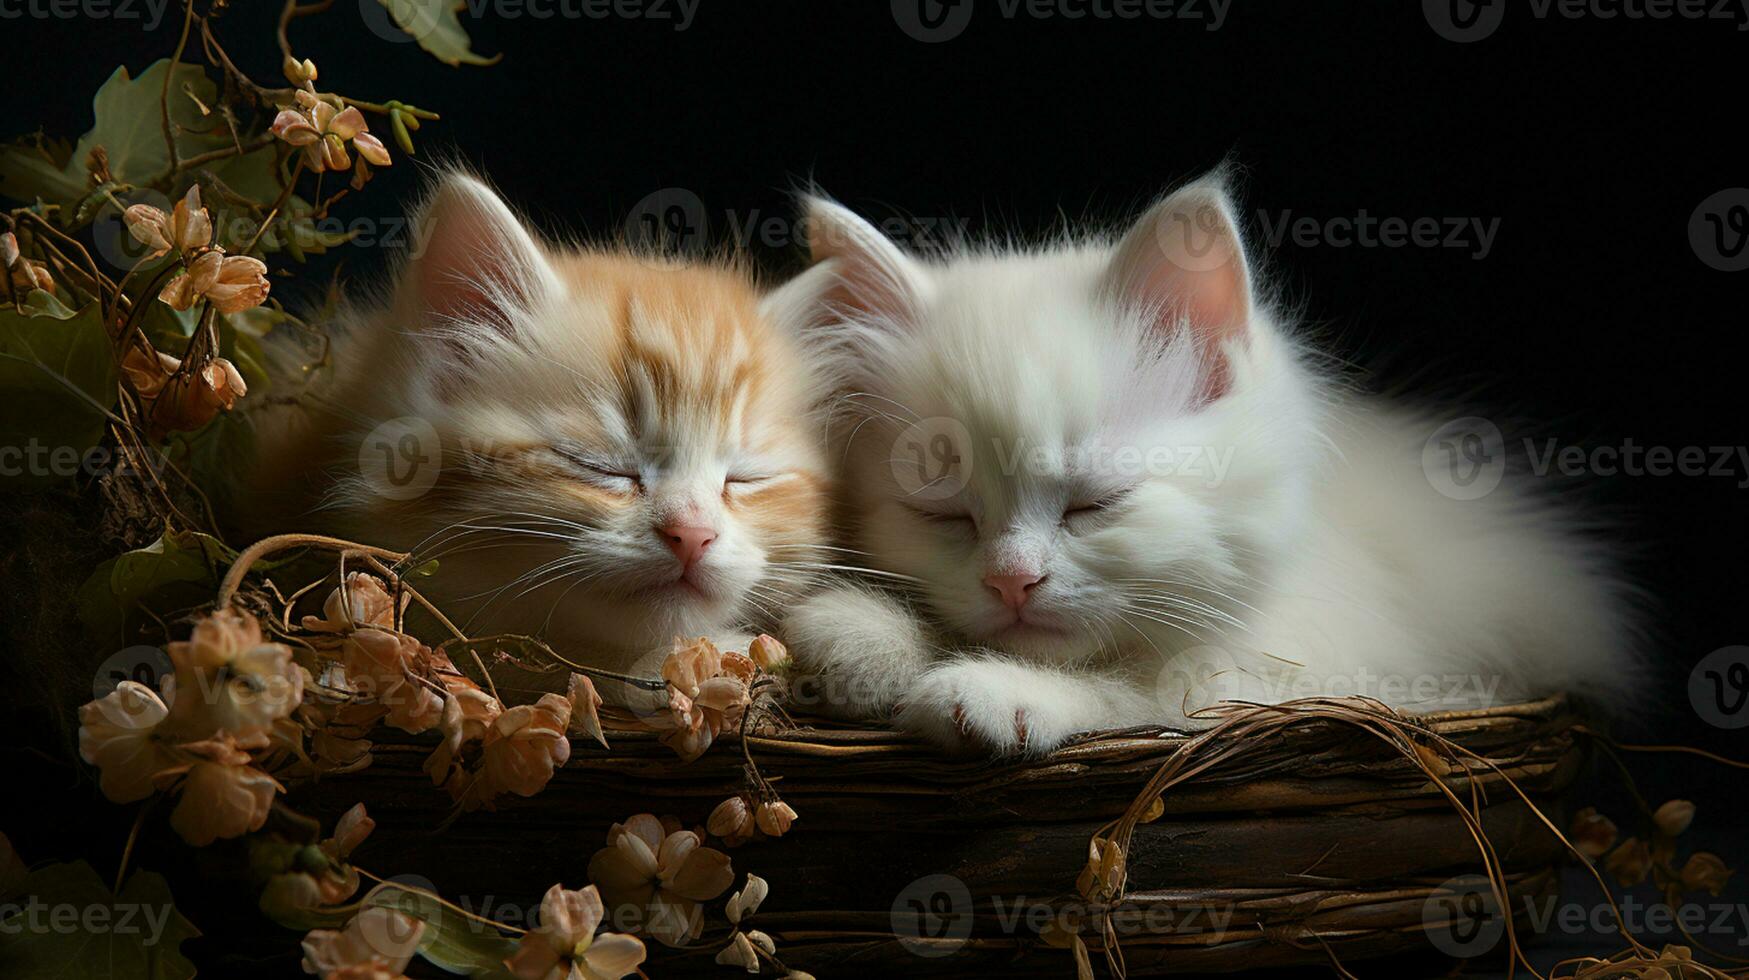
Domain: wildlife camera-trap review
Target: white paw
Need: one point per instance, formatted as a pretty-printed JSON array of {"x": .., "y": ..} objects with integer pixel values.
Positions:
[{"x": 988, "y": 706}]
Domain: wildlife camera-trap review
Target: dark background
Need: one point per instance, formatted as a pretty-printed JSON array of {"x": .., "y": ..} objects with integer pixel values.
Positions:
[{"x": 1592, "y": 320}]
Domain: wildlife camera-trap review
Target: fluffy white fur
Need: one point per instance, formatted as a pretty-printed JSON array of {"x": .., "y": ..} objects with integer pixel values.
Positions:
[{"x": 1318, "y": 559}]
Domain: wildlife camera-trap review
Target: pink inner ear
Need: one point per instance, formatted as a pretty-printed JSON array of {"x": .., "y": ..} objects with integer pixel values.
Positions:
[
  {"x": 476, "y": 258},
  {"x": 1187, "y": 263}
]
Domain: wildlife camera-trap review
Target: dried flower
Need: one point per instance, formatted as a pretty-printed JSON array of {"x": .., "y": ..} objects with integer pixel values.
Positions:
[
  {"x": 8, "y": 249},
  {"x": 739, "y": 953},
  {"x": 732, "y": 820},
  {"x": 148, "y": 370},
  {"x": 659, "y": 876},
  {"x": 388, "y": 666},
  {"x": 1104, "y": 872},
  {"x": 232, "y": 283},
  {"x": 1592, "y": 833},
  {"x": 230, "y": 679},
  {"x": 117, "y": 735},
  {"x": 187, "y": 401},
  {"x": 1705, "y": 872},
  {"x": 774, "y": 818},
  {"x": 767, "y": 652},
  {"x": 708, "y": 692},
  {"x": 566, "y": 946},
  {"x": 468, "y": 713},
  {"x": 359, "y": 601},
  {"x": 30, "y": 274},
  {"x": 585, "y": 709},
  {"x": 1674, "y": 817},
  {"x": 323, "y": 130},
  {"x": 377, "y": 944},
  {"x": 747, "y": 901},
  {"x": 222, "y": 795},
  {"x": 187, "y": 229},
  {"x": 524, "y": 745},
  {"x": 1630, "y": 862}
]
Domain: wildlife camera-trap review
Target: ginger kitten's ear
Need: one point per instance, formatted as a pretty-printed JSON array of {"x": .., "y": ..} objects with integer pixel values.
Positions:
[
  {"x": 473, "y": 261},
  {"x": 1184, "y": 262},
  {"x": 869, "y": 277}
]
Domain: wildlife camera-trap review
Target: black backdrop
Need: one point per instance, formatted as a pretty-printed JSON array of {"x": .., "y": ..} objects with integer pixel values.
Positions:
[{"x": 1590, "y": 140}]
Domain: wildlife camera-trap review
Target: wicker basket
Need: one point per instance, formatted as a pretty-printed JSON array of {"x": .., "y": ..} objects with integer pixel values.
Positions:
[{"x": 1317, "y": 841}]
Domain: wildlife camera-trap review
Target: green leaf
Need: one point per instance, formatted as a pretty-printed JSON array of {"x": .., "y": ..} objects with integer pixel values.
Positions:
[
  {"x": 433, "y": 23},
  {"x": 184, "y": 566},
  {"x": 454, "y": 942},
  {"x": 72, "y": 926},
  {"x": 58, "y": 376},
  {"x": 129, "y": 126}
]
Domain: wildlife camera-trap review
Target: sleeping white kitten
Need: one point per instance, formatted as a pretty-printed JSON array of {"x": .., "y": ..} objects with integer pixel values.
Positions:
[{"x": 1110, "y": 489}]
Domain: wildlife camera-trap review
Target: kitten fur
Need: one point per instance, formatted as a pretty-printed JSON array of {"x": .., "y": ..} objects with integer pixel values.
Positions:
[
  {"x": 579, "y": 401},
  {"x": 1290, "y": 542}
]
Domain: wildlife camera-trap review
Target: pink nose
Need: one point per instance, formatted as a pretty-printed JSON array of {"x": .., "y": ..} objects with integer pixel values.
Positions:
[
  {"x": 1013, "y": 589},
  {"x": 688, "y": 542}
]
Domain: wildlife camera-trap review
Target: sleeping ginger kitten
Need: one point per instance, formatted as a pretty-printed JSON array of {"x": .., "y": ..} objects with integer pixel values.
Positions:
[
  {"x": 604, "y": 449},
  {"x": 1108, "y": 487}
]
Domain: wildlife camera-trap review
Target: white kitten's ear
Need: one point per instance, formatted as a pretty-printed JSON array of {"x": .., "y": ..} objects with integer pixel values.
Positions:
[
  {"x": 871, "y": 278},
  {"x": 1184, "y": 262},
  {"x": 473, "y": 261}
]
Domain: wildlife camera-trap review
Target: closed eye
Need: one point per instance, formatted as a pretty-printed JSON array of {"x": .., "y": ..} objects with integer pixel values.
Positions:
[
  {"x": 952, "y": 519},
  {"x": 598, "y": 469},
  {"x": 1084, "y": 514}
]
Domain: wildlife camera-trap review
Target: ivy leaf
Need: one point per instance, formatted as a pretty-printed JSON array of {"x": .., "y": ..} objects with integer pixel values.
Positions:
[
  {"x": 136, "y": 935},
  {"x": 129, "y": 126},
  {"x": 59, "y": 377},
  {"x": 433, "y": 23}
]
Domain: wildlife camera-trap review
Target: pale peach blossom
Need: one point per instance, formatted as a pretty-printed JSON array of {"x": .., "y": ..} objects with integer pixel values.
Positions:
[
  {"x": 377, "y": 944},
  {"x": 148, "y": 370},
  {"x": 191, "y": 400},
  {"x": 774, "y": 818},
  {"x": 585, "y": 709},
  {"x": 232, "y": 283},
  {"x": 708, "y": 691},
  {"x": 566, "y": 945},
  {"x": 361, "y": 600},
  {"x": 388, "y": 666},
  {"x": 657, "y": 877},
  {"x": 733, "y": 821},
  {"x": 468, "y": 713},
  {"x": 187, "y": 229},
  {"x": 221, "y": 795},
  {"x": 747, "y": 901},
  {"x": 118, "y": 735},
  {"x": 524, "y": 745},
  {"x": 229, "y": 678},
  {"x": 323, "y": 129},
  {"x": 767, "y": 652}
]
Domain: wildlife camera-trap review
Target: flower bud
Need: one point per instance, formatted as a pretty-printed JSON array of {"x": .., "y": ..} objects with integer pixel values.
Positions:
[
  {"x": 767, "y": 652},
  {"x": 774, "y": 818}
]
